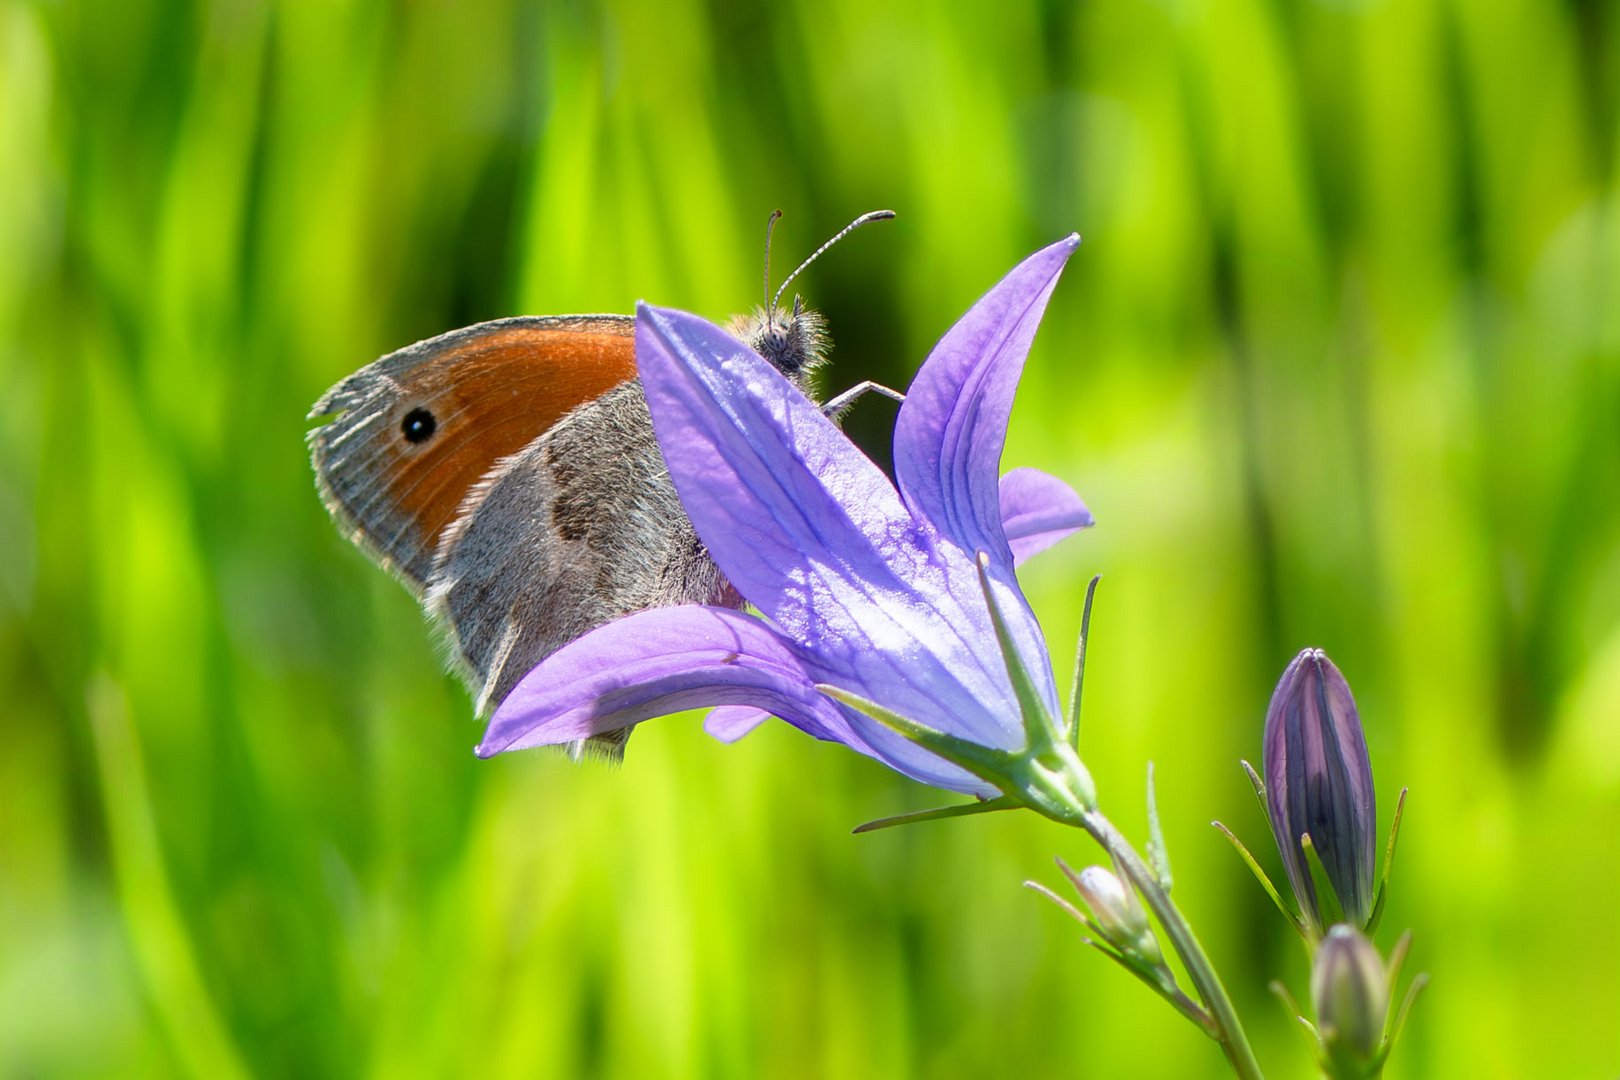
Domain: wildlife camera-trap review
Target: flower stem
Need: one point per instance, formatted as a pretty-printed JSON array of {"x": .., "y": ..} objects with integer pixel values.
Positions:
[{"x": 1229, "y": 1031}]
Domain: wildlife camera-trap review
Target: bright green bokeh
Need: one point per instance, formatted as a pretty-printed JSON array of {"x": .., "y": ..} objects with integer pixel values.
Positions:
[{"x": 1338, "y": 364}]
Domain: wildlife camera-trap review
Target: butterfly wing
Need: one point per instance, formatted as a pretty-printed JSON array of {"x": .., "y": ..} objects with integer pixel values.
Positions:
[
  {"x": 580, "y": 527},
  {"x": 414, "y": 431},
  {"x": 508, "y": 473}
]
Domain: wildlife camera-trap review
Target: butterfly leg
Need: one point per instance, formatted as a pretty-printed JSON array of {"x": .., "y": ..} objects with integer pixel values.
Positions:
[{"x": 838, "y": 405}]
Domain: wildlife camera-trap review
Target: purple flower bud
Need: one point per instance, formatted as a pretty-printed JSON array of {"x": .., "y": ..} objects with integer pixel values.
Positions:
[
  {"x": 1319, "y": 782},
  {"x": 1350, "y": 991}
]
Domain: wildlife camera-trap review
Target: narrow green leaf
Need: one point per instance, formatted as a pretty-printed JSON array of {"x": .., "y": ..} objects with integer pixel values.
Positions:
[
  {"x": 1287, "y": 998},
  {"x": 1259, "y": 786},
  {"x": 1157, "y": 854},
  {"x": 988, "y": 764},
  {"x": 1389, "y": 861},
  {"x": 1068, "y": 871},
  {"x": 1297, "y": 1019},
  {"x": 1412, "y": 992},
  {"x": 989, "y": 806},
  {"x": 1080, "y": 664},
  {"x": 1397, "y": 957},
  {"x": 1265, "y": 882},
  {"x": 1377, "y": 915},
  {"x": 1073, "y": 911},
  {"x": 1038, "y": 721},
  {"x": 1328, "y": 906}
]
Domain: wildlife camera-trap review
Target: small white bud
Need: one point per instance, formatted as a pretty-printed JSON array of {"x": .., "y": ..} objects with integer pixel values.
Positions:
[{"x": 1119, "y": 913}]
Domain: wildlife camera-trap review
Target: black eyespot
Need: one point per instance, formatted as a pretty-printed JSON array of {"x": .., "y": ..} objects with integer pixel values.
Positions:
[{"x": 418, "y": 426}]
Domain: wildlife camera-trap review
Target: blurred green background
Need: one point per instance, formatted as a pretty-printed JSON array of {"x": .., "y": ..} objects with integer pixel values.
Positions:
[{"x": 1338, "y": 364}]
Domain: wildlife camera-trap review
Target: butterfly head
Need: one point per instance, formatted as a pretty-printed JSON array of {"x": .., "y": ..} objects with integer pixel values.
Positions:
[{"x": 795, "y": 341}]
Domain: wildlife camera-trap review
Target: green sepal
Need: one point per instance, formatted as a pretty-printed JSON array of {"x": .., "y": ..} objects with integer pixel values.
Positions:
[
  {"x": 1098, "y": 938},
  {"x": 1418, "y": 983},
  {"x": 1259, "y": 786},
  {"x": 989, "y": 806},
  {"x": 988, "y": 764},
  {"x": 1080, "y": 664},
  {"x": 1397, "y": 959},
  {"x": 1049, "y": 776},
  {"x": 1296, "y": 1018},
  {"x": 1294, "y": 919},
  {"x": 1290, "y": 1006},
  {"x": 1039, "y": 724},
  {"x": 1158, "y": 856},
  {"x": 1328, "y": 908},
  {"x": 1389, "y": 861}
]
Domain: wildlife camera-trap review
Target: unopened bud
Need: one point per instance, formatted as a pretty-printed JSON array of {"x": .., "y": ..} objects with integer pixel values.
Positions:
[
  {"x": 1319, "y": 782},
  {"x": 1119, "y": 913},
  {"x": 1350, "y": 990}
]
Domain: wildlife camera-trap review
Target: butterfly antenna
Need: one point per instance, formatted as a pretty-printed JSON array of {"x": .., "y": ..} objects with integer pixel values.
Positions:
[
  {"x": 770, "y": 227},
  {"x": 873, "y": 215}
]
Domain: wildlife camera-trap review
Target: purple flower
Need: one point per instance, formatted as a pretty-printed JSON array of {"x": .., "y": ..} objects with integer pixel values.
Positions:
[
  {"x": 881, "y": 610},
  {"x": 1319, "y": 783}
]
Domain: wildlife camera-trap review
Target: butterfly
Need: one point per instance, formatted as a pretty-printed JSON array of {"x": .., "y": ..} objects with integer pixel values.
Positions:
[{"x": 507, "y": 474}]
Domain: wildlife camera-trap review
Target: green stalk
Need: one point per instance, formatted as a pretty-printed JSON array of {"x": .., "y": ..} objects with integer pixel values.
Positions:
[
  {"x": 1229, "y": 1030},
  {"x": 1060, "y": 803}
]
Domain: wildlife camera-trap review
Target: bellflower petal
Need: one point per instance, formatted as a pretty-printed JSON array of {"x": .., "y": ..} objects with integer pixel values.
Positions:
[
  {"x": 729, "y": 723},
  {"x": 1038, "y": 510},
  {"x": 812, "y": 533},
  {"x": 656, "y": 662},
  {"x": 784, "y": 501},
  {"x": 951, "y": 429}
]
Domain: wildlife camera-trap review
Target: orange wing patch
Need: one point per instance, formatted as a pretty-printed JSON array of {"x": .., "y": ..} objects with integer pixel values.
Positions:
[
  {"x": 418, "y": 428},
  {"x": 491, "y": 397}
]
